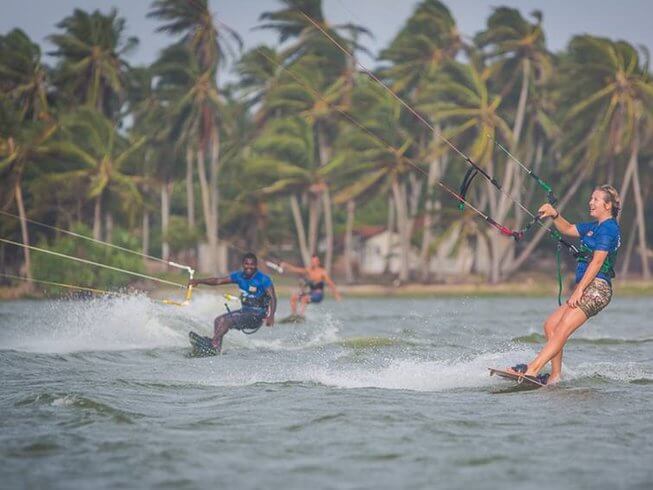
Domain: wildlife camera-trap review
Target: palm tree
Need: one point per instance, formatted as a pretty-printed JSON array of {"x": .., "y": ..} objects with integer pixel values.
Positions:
[
  {"x": 158, "y": 157},
  {"x": 375, "y": 158},
  {"x": 463, "y": 100},
  {"x": 429, "y": 39},
  {"x": 22, "y": 74},
  {"x": 609, "y": 97},
  {"x": 196, "y": 25},
  {"x": 189, "y": 72},
  {"x": 284, "y": 162},
  {"x": 91, "y": 52},
  {"x": 296, "y": 93},
  {"x": 258, "y": 69},
  {"x": 195, "y": 109},
  {"x": 297, "y": 22},
  {"x": 24, "y": 147},
  {"x": 92, "y": 144},
  {"x": 310, "y": 50},
  {"x": 23, "y": 102},
  {"x": 518, "y": 49}
]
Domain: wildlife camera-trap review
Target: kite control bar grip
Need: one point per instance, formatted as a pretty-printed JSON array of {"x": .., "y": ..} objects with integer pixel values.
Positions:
[{"x": 274, "y": 266}]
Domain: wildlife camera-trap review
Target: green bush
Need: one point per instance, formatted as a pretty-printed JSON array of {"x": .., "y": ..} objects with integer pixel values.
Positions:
[{"x": 48, "y": 267}]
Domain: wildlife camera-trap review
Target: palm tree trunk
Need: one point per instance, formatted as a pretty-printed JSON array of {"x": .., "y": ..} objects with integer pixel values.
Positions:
[
  {"x": 430, "y": 206},
  {"x": 97, "y": 218},
  {"x": 349, "y": 244},
  {"x": 206, "y": 200},
  {"x": 108, "y": 226},
  {"x": 325, "y": 155},
  {"x": 639, "y": 213},
  {"x": 313, "y": 222},
  {"x": 402, "y": 226},
  {"x": 391, "y": 225},
  {"x": 20, "y": 204},
  {"x": 165, "y": 220},
  {"x": 328, "y": 230},
  {"x": 146, "y": 232},
  {"x": 215, "y": 194},
  {"x": 299, "y": 227},
  {"x": 629, "y": 251},
  {"x": 190, "y": 190},
  {"x": 521, "y": 105}
]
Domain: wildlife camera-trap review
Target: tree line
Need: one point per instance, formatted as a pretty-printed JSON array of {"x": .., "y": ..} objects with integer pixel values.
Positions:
[{"x": 297, "y": 145}]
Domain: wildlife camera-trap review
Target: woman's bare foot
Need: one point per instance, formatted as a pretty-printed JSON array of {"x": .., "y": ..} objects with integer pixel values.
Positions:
[{"x": 553, "y": 380}]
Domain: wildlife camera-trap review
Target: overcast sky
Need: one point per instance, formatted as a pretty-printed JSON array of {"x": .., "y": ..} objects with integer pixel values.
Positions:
[{"x": 617, "y": 19}]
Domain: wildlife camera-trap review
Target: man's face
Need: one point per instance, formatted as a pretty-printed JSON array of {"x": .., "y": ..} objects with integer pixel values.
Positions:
[
  {"x": 315, "y": 261},
  {"x": 249, "y": 267}
]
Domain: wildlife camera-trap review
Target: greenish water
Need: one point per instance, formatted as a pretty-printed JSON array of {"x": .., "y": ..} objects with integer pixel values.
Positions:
[{"x": 368, "y": 393}]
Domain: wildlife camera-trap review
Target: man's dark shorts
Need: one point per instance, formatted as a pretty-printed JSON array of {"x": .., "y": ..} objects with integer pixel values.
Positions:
[
  {"x": 244, "y": 320},
  {"x": 316, "y": 296}
]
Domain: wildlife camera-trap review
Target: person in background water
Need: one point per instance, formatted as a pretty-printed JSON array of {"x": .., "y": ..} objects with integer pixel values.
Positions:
[
  {"x": 600, "y": 240},
  {"x": 314, "y": 276},
  {"x": 257, "y": 296}
]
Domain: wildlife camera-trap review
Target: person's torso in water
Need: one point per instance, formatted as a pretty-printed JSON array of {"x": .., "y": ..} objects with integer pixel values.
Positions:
[{"x": 315, "y": 278}]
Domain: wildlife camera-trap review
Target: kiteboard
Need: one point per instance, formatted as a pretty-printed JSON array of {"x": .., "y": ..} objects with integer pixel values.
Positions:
[
  {"x": 519, "y": 378},
  {"x": 293, "y": 319},
  {"x": 201, "y": 346}
]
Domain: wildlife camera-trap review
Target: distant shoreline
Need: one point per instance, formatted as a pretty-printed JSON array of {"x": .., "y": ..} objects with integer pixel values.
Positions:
[{"x": 526, "y": 288}]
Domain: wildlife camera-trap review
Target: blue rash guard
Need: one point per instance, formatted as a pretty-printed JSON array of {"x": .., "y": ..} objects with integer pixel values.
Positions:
[
  {"x": 253, "y": 295},
  {"x": 595, "y": 236}
]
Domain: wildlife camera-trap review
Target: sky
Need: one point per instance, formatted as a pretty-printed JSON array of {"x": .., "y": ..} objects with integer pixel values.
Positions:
[{"x": 630, "y": 20}]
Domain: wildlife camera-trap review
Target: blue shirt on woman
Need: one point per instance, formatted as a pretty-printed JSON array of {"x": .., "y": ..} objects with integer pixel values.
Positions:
[{"x": 595, "y": 236}]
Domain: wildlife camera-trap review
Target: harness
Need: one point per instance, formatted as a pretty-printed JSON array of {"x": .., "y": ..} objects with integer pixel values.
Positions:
[
  {"x": 315, "y": 285},
  {"x": 586, "y": 254},
  {"x": 261, "y": 302},
  {"x": 264, "y": 301}
]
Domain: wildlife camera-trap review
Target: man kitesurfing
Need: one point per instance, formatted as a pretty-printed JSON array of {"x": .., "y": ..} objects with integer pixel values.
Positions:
[
  {"x": 258, "y": 299},
  {"x": 314, "y": 277},
  {"x": 600, "y": 240}
]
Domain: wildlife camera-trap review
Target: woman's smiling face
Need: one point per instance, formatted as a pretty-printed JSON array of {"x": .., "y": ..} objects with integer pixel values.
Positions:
[{"x": 599, "y": 207}]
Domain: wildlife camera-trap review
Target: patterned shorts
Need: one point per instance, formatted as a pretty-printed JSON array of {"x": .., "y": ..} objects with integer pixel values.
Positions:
[{"x": 595, "y": 297}]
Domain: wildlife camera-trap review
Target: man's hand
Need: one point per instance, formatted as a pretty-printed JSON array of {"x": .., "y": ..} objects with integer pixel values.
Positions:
[
  {"x": 193, "y": 282},
  {"x": 575, "y": 298},
  {"x": 269, "y": 321}
]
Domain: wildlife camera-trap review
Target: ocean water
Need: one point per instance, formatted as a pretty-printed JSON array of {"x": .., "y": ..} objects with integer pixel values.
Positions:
[{"x": 368, "y": 393}]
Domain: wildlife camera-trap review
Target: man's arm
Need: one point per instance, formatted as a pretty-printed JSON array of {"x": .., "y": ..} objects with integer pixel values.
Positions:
[
  {"x": 272, "y": 309},
  {"x": 332, "y": 286},
  {"x": 292, "y": 268},
  {"x": 211, "y": 281}
]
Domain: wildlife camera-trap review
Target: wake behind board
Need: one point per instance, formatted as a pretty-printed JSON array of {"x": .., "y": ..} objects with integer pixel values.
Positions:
[
  {"x": 201, "y": 346},
  {"x": 293, "y": 319},
  {"x": 520, "y": 379}
]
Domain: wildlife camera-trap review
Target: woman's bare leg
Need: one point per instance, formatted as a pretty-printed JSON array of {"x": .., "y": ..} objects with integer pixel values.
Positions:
[
  {"x": 550, "y": 326},
  {"x": 570, "y": 321}
]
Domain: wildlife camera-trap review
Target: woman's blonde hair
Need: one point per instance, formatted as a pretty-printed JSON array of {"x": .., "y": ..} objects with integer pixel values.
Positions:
[{"x": 611, "y": 195}]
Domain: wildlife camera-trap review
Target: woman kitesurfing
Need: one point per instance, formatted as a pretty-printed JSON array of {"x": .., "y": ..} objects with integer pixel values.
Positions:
[{"x": 600, "y": 240}]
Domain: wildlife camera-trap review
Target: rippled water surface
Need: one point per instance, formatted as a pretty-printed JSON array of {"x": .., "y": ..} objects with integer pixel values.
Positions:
[{"x": 374, "y": 393}]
